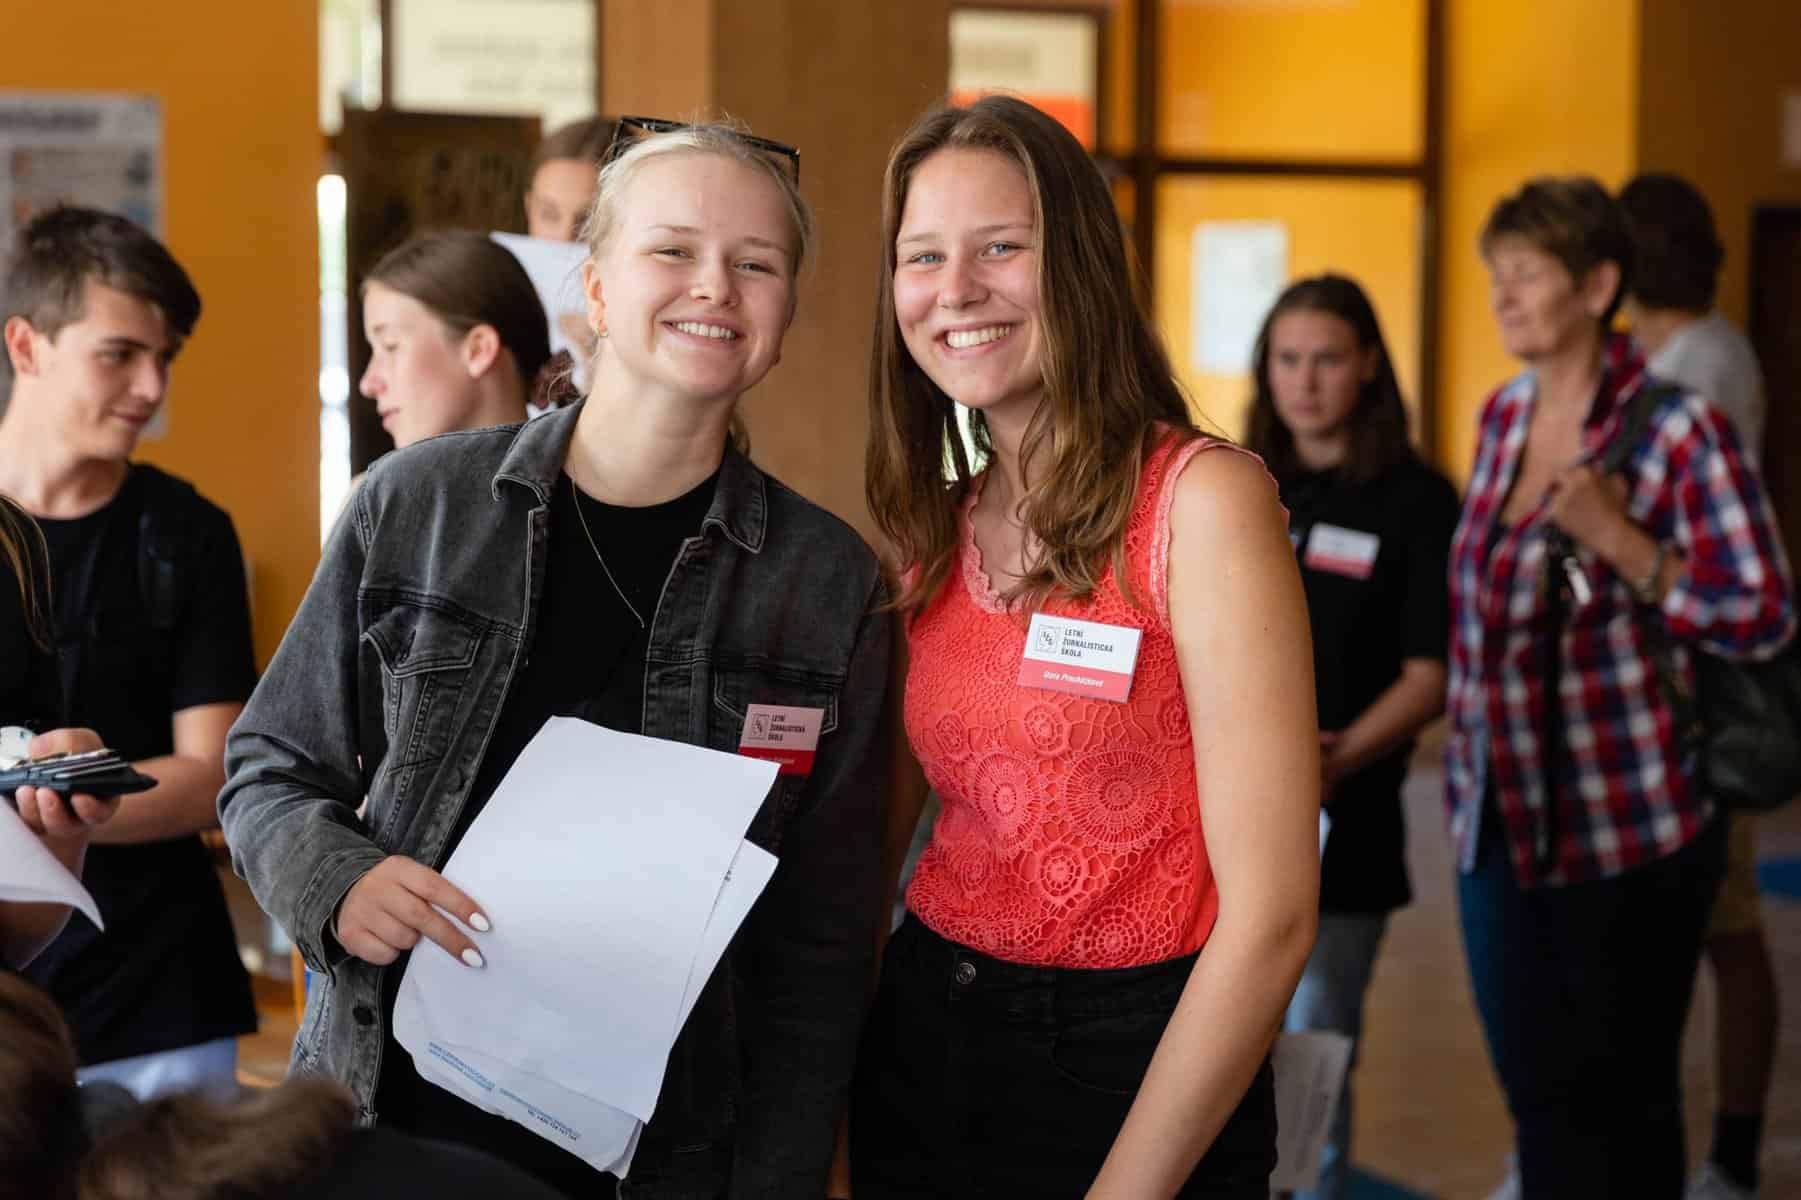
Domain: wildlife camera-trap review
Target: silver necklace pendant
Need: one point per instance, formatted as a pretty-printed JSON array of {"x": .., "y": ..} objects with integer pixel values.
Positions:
[{"x": 576, "y": 495}]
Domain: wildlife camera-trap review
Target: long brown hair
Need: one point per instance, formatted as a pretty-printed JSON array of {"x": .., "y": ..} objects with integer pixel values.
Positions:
[
  {"x": 1107, "y": 377},
  {"x": 22, "y": 551},
  {"x": 178, "y": 1148},
  {"x": 1379, "y": 419}
]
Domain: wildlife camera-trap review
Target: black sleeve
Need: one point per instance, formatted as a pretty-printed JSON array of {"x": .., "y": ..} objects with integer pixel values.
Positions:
[
  {"x": 1430, "y": 519},
  {"x": 213, "y": 661},
  {"x": 811, "y": 942}
]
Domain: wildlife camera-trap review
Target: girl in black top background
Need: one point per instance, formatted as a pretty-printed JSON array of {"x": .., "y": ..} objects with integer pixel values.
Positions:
[{"x": 1371, "y": 523}]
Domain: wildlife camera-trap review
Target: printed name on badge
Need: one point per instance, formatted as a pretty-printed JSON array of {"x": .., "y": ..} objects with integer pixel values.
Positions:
[
  {"x": 1342, "y": 551},
  {"x": 1083, "y": 658},
  {"x": 783, "y": 735}
]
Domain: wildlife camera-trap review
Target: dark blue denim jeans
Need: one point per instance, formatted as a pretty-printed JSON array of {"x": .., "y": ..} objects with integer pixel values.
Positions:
[
  {"x": 1583, "y": 992},
  {"x": 984, "y": 1078}
]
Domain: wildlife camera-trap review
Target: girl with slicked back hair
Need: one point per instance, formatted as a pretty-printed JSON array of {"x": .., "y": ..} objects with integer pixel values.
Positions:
[
  {"x": 1109, "y": 689},
  {"x": 457, "y": 336}
]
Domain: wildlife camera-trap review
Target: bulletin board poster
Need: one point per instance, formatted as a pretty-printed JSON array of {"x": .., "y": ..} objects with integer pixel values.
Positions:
[
  {"x": 1049, "y": 59},
  {"x": 96, "y": 149}
]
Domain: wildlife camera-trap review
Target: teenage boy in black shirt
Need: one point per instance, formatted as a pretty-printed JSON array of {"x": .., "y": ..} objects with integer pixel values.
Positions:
[{"x": 152, "y": 639}]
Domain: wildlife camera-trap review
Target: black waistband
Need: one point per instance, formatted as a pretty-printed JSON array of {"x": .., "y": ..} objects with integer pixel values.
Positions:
[{"x": 1065, "y": 993}]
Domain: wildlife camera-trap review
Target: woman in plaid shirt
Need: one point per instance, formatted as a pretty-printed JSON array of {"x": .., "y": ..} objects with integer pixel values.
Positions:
[{"x": 1588, "y": 858}]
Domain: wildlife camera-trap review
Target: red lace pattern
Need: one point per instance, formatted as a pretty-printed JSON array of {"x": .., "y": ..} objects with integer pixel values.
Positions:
[{"x": 1070, "y": 833}]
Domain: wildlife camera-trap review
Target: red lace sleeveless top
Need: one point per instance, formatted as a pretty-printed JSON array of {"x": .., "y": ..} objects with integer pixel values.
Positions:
[{"x": 1070, "y": 833}]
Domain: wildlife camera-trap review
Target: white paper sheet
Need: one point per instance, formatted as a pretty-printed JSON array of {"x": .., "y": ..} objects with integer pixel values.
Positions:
[
  {"x": 31, "y": 874},
  {"x": 1310, "y": 1071},
  {"x": 751, "y": 871},
  {"x": 614, "y": 872},
  {"x": 1238, "y": 269},
  {"x": 555, "y": 269}
]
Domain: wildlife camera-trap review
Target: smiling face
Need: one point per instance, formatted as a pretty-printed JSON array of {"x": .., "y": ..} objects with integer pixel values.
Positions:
[
  {"x": 966, "y": 281},
  {"x": 1317, "y": 372},
  {"x": 417, "y": 375},
  {"x": 103, "y": 377},
  {"x": 694, "y": 286}
]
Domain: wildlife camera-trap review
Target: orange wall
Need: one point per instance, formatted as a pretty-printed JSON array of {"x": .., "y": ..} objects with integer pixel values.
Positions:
[
  {"x": 1368, "y": 230},
  {"x": 1711, "y": 110},
  {"x": 1341, "y": 81},
  {"x": 1534, "y": 87},
  {"x": 1338, "y": 81},
  {"x": 239, "y": 88}
]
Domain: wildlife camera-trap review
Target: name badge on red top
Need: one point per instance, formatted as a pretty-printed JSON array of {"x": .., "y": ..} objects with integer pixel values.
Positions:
[
  {"x": 1083, "y": 658},
  {"x": 1342, "y": 551},
  {"x": 785, "y": 736}
]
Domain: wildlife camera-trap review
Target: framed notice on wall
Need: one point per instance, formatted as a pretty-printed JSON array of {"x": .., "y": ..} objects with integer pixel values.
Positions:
[
  {"x": 524, "y": 57},
  {"x": 96, "y": 149},
  {"x": 1050, "y": 57}
]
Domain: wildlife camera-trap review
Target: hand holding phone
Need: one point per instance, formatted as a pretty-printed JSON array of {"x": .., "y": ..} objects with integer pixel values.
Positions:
[{"x": 70, "y": 784}]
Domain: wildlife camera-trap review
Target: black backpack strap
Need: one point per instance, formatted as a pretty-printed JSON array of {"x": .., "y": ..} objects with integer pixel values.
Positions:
[
  {"x": 1635, "y": 423},
  {"x": 166, "y": 545},
  {"x": 1635, "y": 427}
]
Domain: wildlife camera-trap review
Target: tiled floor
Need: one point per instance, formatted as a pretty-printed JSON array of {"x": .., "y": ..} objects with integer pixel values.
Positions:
[{"x": 1430, "y": 1117}]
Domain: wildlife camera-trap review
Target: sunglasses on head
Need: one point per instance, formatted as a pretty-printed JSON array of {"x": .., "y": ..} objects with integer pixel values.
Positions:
[{"x": 630, "y": 129}]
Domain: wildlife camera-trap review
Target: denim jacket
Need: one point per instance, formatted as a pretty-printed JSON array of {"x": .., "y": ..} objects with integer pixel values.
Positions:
[{"x": 388, "y": 685}]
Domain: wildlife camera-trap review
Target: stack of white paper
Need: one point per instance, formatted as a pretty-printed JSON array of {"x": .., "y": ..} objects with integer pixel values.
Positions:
[
  {"x": 30, "y": 874},
  {"x": 614, "y": 871}
]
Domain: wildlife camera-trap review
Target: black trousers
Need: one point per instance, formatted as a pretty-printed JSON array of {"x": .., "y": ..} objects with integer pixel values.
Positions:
[
  {"x": 984, "y": 1078},
  {"x": 1583, "y": 992}
]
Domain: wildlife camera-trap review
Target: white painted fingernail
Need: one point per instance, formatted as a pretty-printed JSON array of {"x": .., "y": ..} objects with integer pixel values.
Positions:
[
  {"x": 473, "y": 957},
  {"x": 479, "y": 923}
]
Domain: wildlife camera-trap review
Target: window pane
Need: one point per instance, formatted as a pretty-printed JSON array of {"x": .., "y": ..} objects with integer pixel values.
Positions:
[
  {"x": 1226, "y": 247},
  {"x": 1333, "y": 79}
]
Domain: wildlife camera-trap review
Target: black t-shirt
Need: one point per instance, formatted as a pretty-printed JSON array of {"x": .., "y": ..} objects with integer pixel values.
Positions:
[
  {"x": 1373, "y": 561},
  {"x": 29, "y": 692},
  {"x": 151, "y": 617},
  {"x": 585, "y": 659}
]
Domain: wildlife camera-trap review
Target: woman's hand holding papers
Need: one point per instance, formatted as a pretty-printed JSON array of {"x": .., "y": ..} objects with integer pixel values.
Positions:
[{"x": 392, "y": 907}]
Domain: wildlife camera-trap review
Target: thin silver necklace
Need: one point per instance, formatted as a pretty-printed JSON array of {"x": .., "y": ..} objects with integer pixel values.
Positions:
[{"x": 576, "y": 495}]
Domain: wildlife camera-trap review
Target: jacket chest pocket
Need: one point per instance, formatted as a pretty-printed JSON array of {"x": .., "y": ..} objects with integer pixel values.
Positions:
[
  {"x": 735, "y": 690},
  {"x": 426, "y": 656}
]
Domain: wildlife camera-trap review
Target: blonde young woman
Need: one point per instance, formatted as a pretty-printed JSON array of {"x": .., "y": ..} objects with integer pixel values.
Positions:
[
  {"x": 624, "y": 562},
  {"x": 1122, "y": 888}
]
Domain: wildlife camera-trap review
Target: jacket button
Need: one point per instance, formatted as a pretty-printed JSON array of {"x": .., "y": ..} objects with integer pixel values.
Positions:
[
  {"x": 965, "y": 973},
  {"x": 363, "y": 1015}
]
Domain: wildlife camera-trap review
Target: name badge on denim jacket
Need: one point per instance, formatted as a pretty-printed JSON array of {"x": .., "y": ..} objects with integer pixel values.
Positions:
[{"x": 782, "y": 735}]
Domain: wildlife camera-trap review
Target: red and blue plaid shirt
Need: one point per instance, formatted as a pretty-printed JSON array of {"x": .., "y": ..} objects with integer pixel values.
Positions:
[{"x": 1623, "y": 791}]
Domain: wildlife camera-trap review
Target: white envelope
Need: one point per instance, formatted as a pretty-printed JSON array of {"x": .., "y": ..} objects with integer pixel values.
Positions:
[
  {"x": 614, "y": 871},
  {"x": 30, "y": 874}
]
